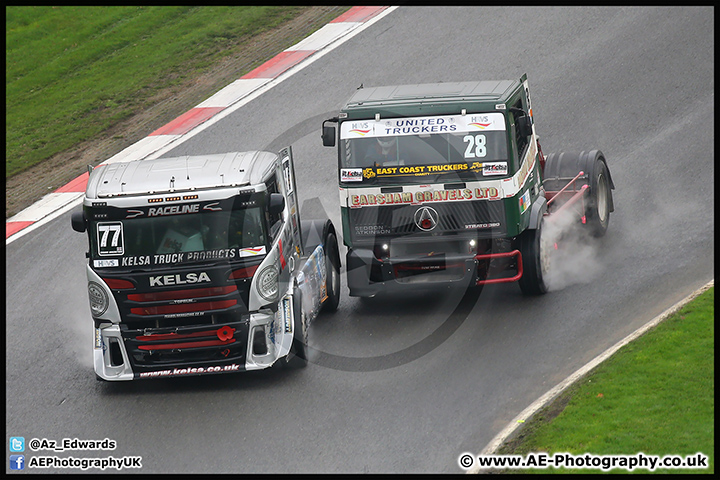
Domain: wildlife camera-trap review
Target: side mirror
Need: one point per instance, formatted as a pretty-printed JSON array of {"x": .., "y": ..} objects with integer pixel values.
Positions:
[
  {"x": 78, "y": 221},
  {"x": 276, "y": 204},
  {"x": 328, "y": 133},
  {"x": 524, "y": 124}
]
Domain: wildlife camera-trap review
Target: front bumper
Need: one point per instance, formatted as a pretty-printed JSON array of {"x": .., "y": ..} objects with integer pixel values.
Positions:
[
  {"x": 257, "y": 342},
  {"x": 368, "y": 275}
]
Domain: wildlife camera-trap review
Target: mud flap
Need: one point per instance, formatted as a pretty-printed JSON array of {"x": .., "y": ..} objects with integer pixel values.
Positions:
[
  {"x": 284, "y": 324},
  {"x": 537, "y": 211}
]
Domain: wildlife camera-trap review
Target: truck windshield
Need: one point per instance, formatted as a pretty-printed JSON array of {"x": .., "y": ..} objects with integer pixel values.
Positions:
[
  {"x": 178, "y": 238},
  {"x": 422, "y": 149}
]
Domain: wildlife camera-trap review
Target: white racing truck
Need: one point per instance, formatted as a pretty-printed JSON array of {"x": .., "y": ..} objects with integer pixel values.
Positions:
[{"x": 201, "y": 264}]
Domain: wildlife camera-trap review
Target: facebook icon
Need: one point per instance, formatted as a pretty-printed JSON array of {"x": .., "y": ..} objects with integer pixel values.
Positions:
[{"x": 17, "y": 462}]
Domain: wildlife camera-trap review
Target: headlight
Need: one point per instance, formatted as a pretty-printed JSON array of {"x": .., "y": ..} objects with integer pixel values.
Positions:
[
  {"x": 267, "y": 283},
  {"x": 98, "y": 299}
]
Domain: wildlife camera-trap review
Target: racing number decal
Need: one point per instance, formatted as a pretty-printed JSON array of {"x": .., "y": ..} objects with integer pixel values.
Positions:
[
  {"x": 527, "y": 97},
  {"x": 476, "y": 146},
  {"x": 290, "y": 187},
  {"x": 110, "y": 238},
  {"x": 287, "y": 175}
]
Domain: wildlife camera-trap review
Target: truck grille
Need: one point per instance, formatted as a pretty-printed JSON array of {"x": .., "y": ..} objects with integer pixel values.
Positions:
[
  {"x": 183, "y": 346},
  {"x": 485, "y": 217},
  {"x": 176, "y": 308}
]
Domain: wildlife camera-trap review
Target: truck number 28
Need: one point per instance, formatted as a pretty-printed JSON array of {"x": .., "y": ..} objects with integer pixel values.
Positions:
[{"x": 475, "y": 146}]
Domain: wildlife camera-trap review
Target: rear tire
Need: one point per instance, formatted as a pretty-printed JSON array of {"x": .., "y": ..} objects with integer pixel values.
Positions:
[
  {"x": 332, "y": 268},
  {"x": 535, "y": 260},
  {"x": 561, "y": 167},
  {"x": 597, "y": 211}
]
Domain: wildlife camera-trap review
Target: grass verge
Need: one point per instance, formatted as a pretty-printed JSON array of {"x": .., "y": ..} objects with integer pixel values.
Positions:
[
  {"x": 73, "y": 72},
  {"x": 656, "y": 395}
]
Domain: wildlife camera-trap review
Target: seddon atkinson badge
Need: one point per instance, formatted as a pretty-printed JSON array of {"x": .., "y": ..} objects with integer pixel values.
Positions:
[
  {"x": 446, "y": 183},
  {"x": 201, "y": 264}
]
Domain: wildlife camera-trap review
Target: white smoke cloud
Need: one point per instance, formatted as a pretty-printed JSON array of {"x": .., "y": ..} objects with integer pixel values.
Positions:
[{"x": 574, "y": 256}]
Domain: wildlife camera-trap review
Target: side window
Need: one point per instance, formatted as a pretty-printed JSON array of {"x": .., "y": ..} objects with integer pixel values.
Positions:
[{"x": 520, "y": 140}]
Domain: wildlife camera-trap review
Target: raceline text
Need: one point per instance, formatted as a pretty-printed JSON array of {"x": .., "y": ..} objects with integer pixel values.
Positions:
[
  {"x": 487, "y": 193},
  {"x": 173, "y": 210}
]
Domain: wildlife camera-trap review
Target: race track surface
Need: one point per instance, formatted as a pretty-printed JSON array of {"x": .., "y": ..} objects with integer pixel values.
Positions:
[{"x": 408, "y": 384}]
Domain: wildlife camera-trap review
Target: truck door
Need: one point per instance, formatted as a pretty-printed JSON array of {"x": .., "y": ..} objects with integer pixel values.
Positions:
[{"x": 288, "y": 170}]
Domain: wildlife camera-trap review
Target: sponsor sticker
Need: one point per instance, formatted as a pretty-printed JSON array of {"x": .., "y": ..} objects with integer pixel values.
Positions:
[
  {"x": 98, "y": 339},
  {"x": 495, "y": 168},
  {"x": 110, "y": 262},
  {"x": 287, "y": 314},
  {"x": 252, "y": 251},
  {"x": 351, "y": 174},
  {"x": 190, "y": 371},
  {"x": 178, "y": 279},
  {"x": 525, "y": 201},
  {"x": 422, "y": 125},
  {"x": 424, "y": 196}
]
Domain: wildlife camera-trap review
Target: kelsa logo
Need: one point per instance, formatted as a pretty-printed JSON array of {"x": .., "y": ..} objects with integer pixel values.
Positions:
[{"x": 177, "y": 279}]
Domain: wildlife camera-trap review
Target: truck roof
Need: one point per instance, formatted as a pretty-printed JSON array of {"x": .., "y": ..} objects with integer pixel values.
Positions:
[
  {"x": 177, "y": 174},
  {"x": 431, "y": 97}
]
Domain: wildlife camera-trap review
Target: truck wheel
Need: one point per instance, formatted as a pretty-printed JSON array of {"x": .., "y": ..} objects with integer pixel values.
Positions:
[
  {"x": 597, "y": 210},
  {"x": 535, "y": 260},
  {"x": 332, "y": 267},
  {"x": 297, "y": 358},
  {"x": 561, "y": 167}
]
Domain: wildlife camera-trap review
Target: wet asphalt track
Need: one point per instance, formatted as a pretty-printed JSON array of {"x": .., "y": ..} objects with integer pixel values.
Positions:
[{"x": 408, "y": 384}]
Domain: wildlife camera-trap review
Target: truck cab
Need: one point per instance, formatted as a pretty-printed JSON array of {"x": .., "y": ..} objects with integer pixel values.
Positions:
[
  {"x": 440, "y": 183},
  {"x": 201, "y": 264}
]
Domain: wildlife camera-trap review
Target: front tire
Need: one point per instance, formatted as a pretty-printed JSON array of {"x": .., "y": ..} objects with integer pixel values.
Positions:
[
  {"x": 535, "y": 253},
  {"x": 332, "y": 268}
]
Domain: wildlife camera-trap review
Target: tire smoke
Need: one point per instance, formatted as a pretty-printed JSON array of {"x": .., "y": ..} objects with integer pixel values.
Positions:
[{"x": 574, "y": 251}]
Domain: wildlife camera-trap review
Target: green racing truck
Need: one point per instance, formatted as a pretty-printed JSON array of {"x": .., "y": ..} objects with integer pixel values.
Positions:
[{"x": 446, "y": 183}]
